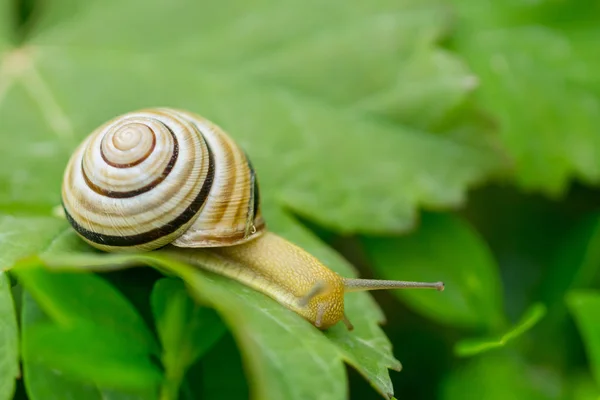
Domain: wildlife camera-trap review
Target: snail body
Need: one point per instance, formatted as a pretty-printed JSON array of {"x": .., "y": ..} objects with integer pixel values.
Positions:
[
  {"x": 159, "y": 177},
  {"x": 281, "y": 270}
]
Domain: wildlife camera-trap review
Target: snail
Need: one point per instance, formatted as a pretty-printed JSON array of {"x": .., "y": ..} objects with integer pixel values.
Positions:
[{"x": 168, "y": 178}]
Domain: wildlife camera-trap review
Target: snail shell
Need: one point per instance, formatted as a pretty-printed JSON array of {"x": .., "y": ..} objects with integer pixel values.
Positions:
[{"x": 158, "y": 176}]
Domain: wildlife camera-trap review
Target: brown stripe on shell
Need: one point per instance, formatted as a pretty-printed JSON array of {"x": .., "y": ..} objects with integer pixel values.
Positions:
[
  {"x": 137, "y": 162},
  {"x": 132, "y": 193},
  {"x": 221, "y": 219},
  {"x": 231, "y": 179},
  {"x": 254, "y": 203},
  {"x": 242, "y": 207}
]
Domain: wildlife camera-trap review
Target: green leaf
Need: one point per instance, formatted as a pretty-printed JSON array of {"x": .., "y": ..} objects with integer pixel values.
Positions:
[
  {"x": 91, "y": 321},
  {"x": 366, "y": 348},
  {"x": 50, "y": 383},
  {"x": 502, "y": 375},
  {"x": 19, "y": 237},
  {"x": 40, "y": 381},
  {"x": 9, "y": 343},
  {"x": 583, "y": 387},
  {"x": 444, "y": 248},
  {"x": 429, "y": 86},
  {"x": 417, "y": 83},
  {"x": 269, "y": 354},
  {"x": 24, "y": 236},
  {"x": 473, "y": 346},
  {"x": 5, "y": 31},
  {"x": 584, "y": 306},
  {"x": 222, "y": 373},
  {"x": 548, "y": 116},
  {"x": 274, "y": 340},
  {"x": 573, "y": 264},
  {"x": 108, "y": 308},
  {"x": 252, "y": 66},
  {"x": 117, "y": 362},
  {"x": 271, "y": 336},
  {"x": 185, "y": 329},
  {"x": 576, "y": 262}
]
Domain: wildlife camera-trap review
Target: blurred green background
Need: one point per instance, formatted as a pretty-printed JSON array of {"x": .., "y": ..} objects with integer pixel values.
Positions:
[{"x": 419, "y": 139}]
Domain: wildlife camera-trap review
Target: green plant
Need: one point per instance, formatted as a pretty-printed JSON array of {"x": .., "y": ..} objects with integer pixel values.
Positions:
[{"x": 368, "y": 124}]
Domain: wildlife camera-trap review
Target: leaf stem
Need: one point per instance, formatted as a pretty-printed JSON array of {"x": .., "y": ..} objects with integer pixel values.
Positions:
[{"x": 170, "y": 386}]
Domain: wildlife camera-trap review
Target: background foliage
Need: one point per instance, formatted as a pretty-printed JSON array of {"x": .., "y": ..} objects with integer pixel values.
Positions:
[{"x": 412, "y": 139}]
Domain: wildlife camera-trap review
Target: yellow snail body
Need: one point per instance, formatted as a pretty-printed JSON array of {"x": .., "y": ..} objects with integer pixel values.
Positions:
[{"x": 162, "y": 176}]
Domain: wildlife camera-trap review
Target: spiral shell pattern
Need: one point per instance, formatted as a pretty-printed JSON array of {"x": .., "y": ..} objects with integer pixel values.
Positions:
[{"x": 159, "y": 176}]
